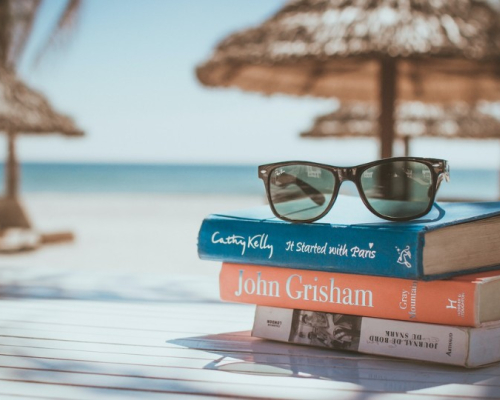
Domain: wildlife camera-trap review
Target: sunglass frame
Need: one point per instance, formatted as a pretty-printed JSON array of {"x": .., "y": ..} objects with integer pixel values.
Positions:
[{"x": 439, "y": 170}]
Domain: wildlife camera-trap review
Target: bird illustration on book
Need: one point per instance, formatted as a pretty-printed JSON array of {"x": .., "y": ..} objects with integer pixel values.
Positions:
[{"x": 404, "y": 256}]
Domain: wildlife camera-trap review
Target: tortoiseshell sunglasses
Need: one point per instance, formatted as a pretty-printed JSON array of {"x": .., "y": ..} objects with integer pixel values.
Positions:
[{"x": 395, "y": 189}]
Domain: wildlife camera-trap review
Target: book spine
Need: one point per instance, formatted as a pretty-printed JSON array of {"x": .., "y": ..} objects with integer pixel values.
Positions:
[
  {"x": 415, "y": 341},
  {"x": 356, "y": 250},
  {"x": 450, "y": 302}
]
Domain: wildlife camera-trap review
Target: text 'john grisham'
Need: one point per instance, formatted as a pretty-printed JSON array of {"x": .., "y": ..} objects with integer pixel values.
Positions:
[
  {"x": 295, "y": 288},
  {"x": 261, "y": 242}
]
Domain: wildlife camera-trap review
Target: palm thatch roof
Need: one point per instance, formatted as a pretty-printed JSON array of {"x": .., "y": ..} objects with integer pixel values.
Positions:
[
  {"x": 24, "y": 110},
  {"x": 413, "y": 119},
  {"x": 332, "y": 48}
]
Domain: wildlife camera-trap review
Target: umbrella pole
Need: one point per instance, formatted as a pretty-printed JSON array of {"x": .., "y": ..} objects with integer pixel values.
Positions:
[
  {"x": 11, "y": 168},
  {"x": 406, "y": 141},
  {"x": 12, "y": 213},
  {"x": 387, "y": 92}
]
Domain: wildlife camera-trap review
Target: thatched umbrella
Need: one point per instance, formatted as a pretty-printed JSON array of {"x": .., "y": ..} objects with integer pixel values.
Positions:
[
  {"x": 24, "y": 110},
  {"x": 367, "y": 50},
  {"x": 412, "y": 120}
]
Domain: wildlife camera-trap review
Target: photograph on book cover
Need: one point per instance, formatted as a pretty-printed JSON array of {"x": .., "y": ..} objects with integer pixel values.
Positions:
[{"x": 335, "y": 331}]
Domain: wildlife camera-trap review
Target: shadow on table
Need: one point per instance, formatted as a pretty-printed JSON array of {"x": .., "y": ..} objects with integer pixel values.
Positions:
[
  {"x": 244, "y": 354},
  {"x": 60, "y": 283}
]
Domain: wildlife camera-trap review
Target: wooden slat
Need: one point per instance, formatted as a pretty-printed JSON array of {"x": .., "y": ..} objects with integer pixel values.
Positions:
[
  {"x": 233, "y": 385},
  {"x": 15, "y": 390},
  {"x": 59, "y": 283},
  {"x": 364, "y": 369}
]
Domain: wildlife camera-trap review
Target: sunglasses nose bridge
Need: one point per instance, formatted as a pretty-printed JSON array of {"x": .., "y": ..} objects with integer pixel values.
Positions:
[{"x": 347, "y": 174}]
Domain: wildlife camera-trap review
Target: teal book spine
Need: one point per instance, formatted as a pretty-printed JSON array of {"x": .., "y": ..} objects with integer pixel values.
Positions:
[
  {"x": 355, "y": 250},
  {"x": 352, "y": 240}
]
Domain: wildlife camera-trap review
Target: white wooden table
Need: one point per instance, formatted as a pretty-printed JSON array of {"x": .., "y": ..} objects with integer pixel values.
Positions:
[{"x": 75, "y": 336}]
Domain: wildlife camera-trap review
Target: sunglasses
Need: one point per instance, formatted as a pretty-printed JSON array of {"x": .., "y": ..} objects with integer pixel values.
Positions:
[{"x": 395, "y": 189}]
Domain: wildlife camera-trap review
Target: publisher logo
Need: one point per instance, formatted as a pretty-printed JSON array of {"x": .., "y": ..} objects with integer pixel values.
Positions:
[
  {"x": 452, "y": 304},
  {"x": 457, "y": 304},
  {"x": 273, "y": 323},
  {"x": 404, "y": 256}
]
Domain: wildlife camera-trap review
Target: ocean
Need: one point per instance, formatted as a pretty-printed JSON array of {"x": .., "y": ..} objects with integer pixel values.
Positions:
[{"x": 202, "y": 179}]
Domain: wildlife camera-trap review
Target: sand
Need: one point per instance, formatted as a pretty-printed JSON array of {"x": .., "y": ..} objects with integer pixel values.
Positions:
[{"x": 137, "y": 233}]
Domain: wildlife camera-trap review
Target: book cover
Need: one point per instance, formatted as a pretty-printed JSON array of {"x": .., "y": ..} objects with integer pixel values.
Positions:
[
  {"x": 455, "y": 238},
  {"x": 468, "y": 347},
  {"x": 467, "y": 300}
]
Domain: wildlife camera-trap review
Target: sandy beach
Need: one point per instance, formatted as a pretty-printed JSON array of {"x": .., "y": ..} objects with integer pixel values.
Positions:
[{"x": 138, "y": 233}]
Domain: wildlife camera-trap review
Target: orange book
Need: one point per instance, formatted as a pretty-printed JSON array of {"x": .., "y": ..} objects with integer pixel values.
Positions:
[{"x": 467, "y": 300}]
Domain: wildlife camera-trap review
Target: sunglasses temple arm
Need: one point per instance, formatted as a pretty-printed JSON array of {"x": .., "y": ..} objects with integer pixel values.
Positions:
[
  {"x": 440, "y": 211},
  {"x": 314, "y": 194}
]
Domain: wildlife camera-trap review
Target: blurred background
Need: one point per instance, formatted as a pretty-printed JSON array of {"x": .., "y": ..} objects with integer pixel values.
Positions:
[{"x": 154, "y": 129}]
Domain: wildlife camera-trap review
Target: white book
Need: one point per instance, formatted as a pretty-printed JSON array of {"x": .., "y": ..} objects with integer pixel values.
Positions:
[{"x": 454, "y": 345}]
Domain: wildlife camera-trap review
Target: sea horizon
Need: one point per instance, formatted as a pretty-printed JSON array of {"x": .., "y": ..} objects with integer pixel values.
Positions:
[{"x": 200, "y": 178}]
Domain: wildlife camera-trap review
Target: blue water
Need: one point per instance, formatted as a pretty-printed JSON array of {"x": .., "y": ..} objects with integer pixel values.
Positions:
[
  {"x": 137, "y": 178},
  {"x": 222, "y": 179}
]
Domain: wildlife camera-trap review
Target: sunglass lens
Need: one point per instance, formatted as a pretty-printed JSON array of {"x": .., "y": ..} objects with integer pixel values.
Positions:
[
  {"x": 398, "y": 189},
  {"x": 301, "y": 192}
]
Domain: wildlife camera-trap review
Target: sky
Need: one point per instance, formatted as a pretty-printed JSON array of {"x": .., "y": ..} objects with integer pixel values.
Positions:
[{"x": 127, "y": 78}]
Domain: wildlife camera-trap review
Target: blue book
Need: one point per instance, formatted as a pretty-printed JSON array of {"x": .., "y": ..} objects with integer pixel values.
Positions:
[{"x": 453, "y": 239}]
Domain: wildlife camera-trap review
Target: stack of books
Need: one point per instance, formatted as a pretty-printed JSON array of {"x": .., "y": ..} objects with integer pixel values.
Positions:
[{"x": 427, "y": 289}]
